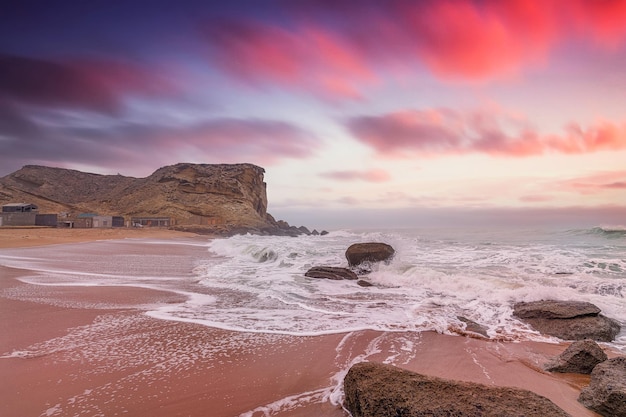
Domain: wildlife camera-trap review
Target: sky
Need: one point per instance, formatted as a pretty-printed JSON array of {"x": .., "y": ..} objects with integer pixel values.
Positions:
[{"x": 363, "y": 113}]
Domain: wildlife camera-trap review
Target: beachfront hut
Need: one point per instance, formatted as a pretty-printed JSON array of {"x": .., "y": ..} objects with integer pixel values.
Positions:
[
  {"x": 87, "y": 220},
  {"x": 108, "y": 221},
  {"x": 49, "y": 220},
  {"x": 151, "y": 221},
  {"x": 19, "y": 208}
]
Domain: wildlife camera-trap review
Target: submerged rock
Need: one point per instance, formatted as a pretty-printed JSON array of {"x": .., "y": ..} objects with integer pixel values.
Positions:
[
  {"x": 606, "y": 393},
  {"x": 360, "y": 253},
  {"x": 472, "y": 326},
  {"x": 330, "y": 272},
  {"x": 568, "y": 320},
  {"x": 379, "y": 390},
  {"x": 580, "y": 357}
]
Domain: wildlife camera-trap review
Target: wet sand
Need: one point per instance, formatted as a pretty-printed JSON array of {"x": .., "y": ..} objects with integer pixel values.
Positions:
[
  {"x": 19, "y": 237},
  {"x": 66, "y": 361}
]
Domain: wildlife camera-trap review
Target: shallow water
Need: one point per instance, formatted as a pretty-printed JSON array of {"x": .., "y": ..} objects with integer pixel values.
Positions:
[{"x": 257, "y": 284}]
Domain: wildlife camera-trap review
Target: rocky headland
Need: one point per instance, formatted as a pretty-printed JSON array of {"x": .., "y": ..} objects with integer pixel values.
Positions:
[{"x": 219, "y": 199}]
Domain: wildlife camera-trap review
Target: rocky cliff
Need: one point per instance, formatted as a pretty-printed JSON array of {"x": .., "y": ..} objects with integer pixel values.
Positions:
[{"x": 224, "y": 198}]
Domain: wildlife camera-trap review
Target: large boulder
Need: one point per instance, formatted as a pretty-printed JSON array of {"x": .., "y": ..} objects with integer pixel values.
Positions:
[
  {"x": 580, "y": 357},
  {"x": 330, "y": 272},
  {"x": 568, "y": 320},
  {"x": 360, "y": 253},
  {"x": 606, "y": 393},
  {"x": 379, "y": 390}
]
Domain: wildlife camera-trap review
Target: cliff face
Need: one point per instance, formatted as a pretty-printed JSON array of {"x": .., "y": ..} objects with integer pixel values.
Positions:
[{"x": 222, "y": 196}]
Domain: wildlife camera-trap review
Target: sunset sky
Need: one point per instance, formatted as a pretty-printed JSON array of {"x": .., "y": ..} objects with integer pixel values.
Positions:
[{"x": 363, "y": 113}]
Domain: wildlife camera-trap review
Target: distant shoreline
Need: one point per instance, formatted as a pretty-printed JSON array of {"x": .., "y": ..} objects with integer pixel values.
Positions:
[{"x": 26, "y": 236}]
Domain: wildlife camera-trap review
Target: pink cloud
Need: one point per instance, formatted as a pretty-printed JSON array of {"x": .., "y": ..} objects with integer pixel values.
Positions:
[
  {"x": 96, "y": 85},
  {"x": 373, "y": 175},
  {"x": 461, "y": 39},
  {"x": 307, "y": 57},
  {"x": 536, "y": 198},
  {"x": 443, "y": 131},
  {"x": 596, "y": 183}
]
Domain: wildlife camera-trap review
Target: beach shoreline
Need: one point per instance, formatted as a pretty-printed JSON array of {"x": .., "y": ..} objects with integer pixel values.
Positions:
[
  {"x": 60, "y": 361},
  {"x": 19, "y": 237}
]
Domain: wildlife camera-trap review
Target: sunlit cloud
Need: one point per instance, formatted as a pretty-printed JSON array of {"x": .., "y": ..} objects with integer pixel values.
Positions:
[
  {"x": 536, "y": 198},
  {"x": 445, "y": 131},
  {"x": 462, "y": 40},
  {"x": 596, "y": 183},
  {"x": 373, "y": 175}
]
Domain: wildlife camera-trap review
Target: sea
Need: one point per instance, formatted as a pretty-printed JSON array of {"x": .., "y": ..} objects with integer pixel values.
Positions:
[
  {"x": 256, "y": 284},
  {"x": 255, "y": 287}
]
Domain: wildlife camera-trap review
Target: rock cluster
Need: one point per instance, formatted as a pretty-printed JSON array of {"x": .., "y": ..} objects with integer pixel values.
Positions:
[
  {"x": 580, "y": 357},
  {"x": 379, "y": 390},
  {"x": 606, "y": 393},
  {"x": 568, "y": 320},
  {"x": 360, "y": 257}
]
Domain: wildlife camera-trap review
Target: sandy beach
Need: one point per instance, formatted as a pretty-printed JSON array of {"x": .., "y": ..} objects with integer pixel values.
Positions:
[{"x": 113, "y": 359}]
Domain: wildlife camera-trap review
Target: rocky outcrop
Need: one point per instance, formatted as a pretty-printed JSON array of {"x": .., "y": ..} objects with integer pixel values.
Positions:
[
  {"x": 360, "y": 253},
  {"x": 378, "y": 390},
  {"x": 221, "y": 198},
  {"x": 606, "y": 393},
  {"x": 568, "y": 320},
  {"x": 580, "y": 357},
  {"x": 330, "y": 272}
]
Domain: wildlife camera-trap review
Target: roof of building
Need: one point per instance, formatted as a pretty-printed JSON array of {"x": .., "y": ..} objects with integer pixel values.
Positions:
[
  {"x": 87, "y": 215},
  {"x": 19, "y": 205}
]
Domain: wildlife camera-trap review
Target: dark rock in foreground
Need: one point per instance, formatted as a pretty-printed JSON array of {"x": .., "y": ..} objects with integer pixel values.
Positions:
[
  {"x": 568, "y": 320},
  {"x": 360, "y": 253},
  {"x": 378, "y": 390},
  {"x": 606, "y": 393},
  {"x": 580, "y": 357},
  {"x": 330, "y": 272}
]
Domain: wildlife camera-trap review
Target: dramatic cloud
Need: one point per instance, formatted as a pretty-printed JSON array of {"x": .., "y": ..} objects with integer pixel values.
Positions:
[
  {"x": 335, "y": 50},
  {"x": 374, "y": 175},
  {"x": 444, "y": 131},
  {"x": 137, "y": 147},
  {"x": 85, "y": 84},
  {"x": 309, "y": 57}
]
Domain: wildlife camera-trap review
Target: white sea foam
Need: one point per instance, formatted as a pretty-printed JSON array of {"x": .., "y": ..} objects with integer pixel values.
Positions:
[{"x": 256, "y": 283}]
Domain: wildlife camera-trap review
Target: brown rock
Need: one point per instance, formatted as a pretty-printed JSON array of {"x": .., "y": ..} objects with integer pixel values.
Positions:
[
  {"x": 330, "y": 272},
  {"x": 552, "y": 309},
  {"x": 568, "y": 320},
  {"x": 606, "y": 393},
  {"x": 359, "y": 253},
  {"x": 580, "y": 357},
  {"x": 472, "y": 326},
  {"x": 378, "y": 390}
]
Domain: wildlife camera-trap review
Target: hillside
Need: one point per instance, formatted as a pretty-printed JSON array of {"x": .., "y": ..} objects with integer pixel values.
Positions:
[{"x": 223, "y": 198}]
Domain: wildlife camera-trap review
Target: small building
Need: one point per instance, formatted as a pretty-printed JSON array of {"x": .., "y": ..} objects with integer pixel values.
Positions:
[
  {"x": 151, "y": 221},
  {"x": 89, "y": 220},
  {"x": 19, "y": 208},
  {"x": 17, "y": 219},
  {"x": 107, "y": 221},
  {"x": 50, "y": 220}
]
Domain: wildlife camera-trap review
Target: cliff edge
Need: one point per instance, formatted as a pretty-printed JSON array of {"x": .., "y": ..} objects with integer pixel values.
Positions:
[{"x": 206, "y": 198}]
